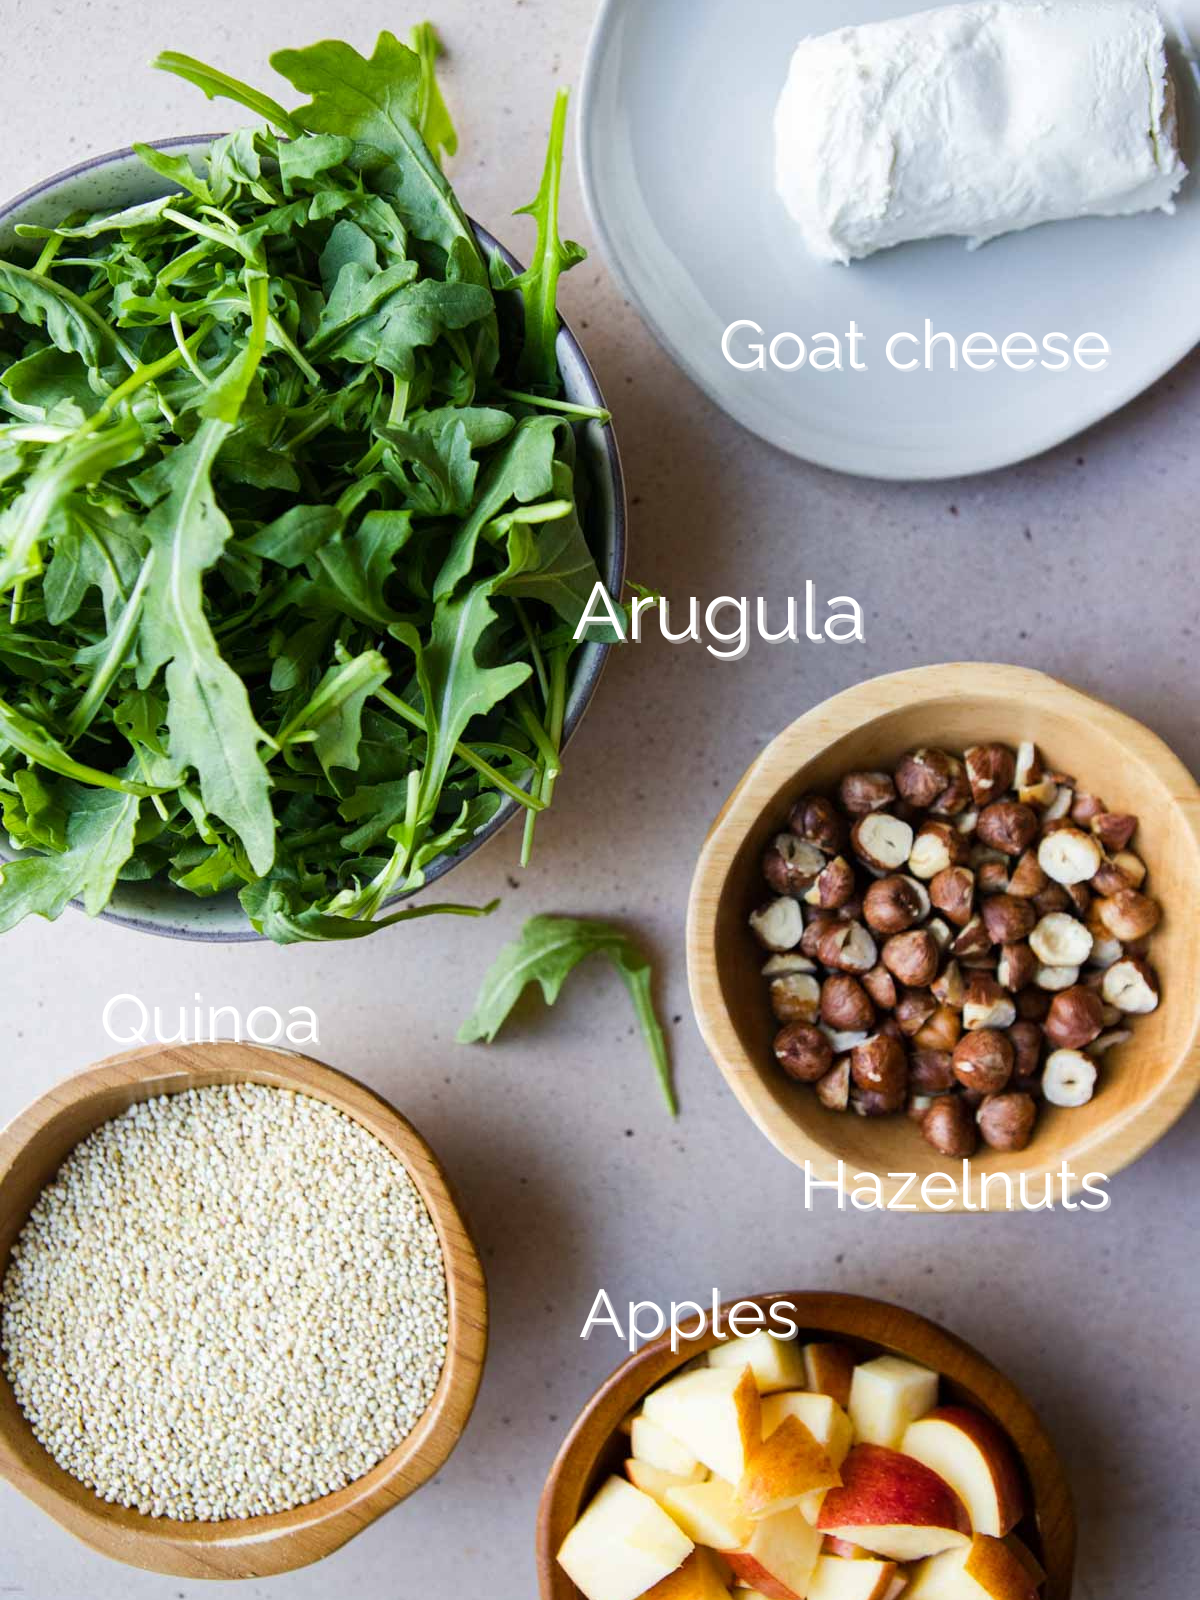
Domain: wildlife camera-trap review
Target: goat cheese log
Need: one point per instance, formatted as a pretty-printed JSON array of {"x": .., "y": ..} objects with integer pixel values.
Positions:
[{"x": 976, "y": 120}]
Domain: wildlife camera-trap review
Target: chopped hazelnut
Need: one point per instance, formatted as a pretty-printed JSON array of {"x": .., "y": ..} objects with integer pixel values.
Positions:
[
  {"x": 891, "y": 905},
  {"x": 1130, "y": 866},
  {"x": 833, "y": 1090},
  {"x": 1017, "y": 967},
  {"x": 983, "y": 1061},
  {"x": 949, "y": 987},
  {"x": 1085, "y": 808},
  {"x": 931, "y": 1071},
  {"x": 835, "y": 885},
  {"x": 790, "y": 865},
  {"x": 880, "y": 1064},
  {"x": 796, "y": 998},
  {"x": 1026, "y": 1039},
  {"x": 1007, "y": 918},
  {"x": 845, "y": 1004},
  {"x": 1006, "y": 1121},
  {"x": 847, "y": 947},
  {"x": 912, "y": 958},
  {"x": 941, "y": 1032},
  {"x": 956, "y": 796},
  {"x": 936, "y": 847},
  {"x": 1008, "y": 826},
  {"x": 815, "y": 820},
  {"x": 913, "y": 1010},
  {"x": 992, "y": 877},
  {"x": 1055, "y": 979},
  {"x": 923, "y": 775},
  {"x": 861, "y": 792},
  {"x": 874, "y": 1102},
  {"x": 986, "y": 1004},
  {"x": 990, "y": 771},
  {"x": 1068, "y": 855},
  {"x": 949, "y": 1127},
  {"x": 1059, "y": 940},
  {"x": 1069, "y": 1078},
  {"x": 778, "y": 925},
  {"x": 1131, "y": 985},
  {"x": 1114, "y": 829},
  {"x": 881, "y": 986},
  {"x": 952, "y": 891},
  {"x": 1027, "y": 879},
  {"x": 1128, "y": 914},
  {"x": 803, "y": 1052},
  {"x": 881, "y": 841},
  {"x": 973, "y": 940}
]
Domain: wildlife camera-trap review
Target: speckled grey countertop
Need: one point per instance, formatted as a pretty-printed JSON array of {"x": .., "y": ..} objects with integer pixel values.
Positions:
[{"x": 1082, "y": 563}]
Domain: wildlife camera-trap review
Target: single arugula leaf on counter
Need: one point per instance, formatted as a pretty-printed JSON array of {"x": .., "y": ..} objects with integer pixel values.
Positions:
[
  {"x": 288, "y": 566},
  {"x": 547, "y": 952}
]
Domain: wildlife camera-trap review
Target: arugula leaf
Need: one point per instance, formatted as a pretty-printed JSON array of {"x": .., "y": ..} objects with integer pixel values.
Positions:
[
  {"x": 99, "y": 841},
  {"x": 552, "y": 257},
  {"x": 433, "y": 117},
  {"x": 547, "y": 951}
]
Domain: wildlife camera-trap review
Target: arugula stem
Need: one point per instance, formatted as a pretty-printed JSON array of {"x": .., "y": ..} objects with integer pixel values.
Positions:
[
  {"x": 463, "y": 752},
  {"x": 114, "y": 657},
  {"x": 567, "y": 406},
  {"x": 48, "y": 252}
]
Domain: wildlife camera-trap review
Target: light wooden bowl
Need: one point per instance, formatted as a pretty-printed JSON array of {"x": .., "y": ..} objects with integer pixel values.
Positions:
[
  {"x": 31, "y": 1150},
  {"x": 595, "y": 1446},
  {"x": 1145, "y": 1084}
]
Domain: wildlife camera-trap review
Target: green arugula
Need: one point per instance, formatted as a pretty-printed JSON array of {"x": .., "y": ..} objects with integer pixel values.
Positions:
[
  {"x": 290, "y": 548},
  {"x": 547, "y": 952}
]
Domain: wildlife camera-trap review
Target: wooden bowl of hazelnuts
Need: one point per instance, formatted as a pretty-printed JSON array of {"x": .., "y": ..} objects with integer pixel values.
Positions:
[{"x": 949, "y": 916}]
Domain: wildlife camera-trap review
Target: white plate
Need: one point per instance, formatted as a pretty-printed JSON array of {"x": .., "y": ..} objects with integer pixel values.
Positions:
[{"x": 676, "y": 156}]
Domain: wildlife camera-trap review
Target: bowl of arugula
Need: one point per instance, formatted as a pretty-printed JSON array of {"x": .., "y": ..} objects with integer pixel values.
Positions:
[{"x": 304, "y": 487}]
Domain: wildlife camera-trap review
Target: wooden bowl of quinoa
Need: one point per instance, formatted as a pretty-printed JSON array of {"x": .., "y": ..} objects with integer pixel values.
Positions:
[{"x": 241, "y": 1315}]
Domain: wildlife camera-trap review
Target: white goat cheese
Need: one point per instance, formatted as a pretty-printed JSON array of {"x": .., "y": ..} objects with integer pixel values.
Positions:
[{"x": 976, "y": 120}]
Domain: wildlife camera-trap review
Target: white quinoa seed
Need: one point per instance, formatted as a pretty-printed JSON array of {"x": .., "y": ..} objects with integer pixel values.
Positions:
[{"x": 227, "y": 1302}]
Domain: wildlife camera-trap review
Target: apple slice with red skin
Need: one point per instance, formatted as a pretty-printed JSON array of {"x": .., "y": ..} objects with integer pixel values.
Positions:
[
  {"x": 788, "y": 1465},
  {"x": 829, "y": 1369},
  {"x": 893, "y": 1506},
  {"x": 986, "y": 1570},
  {"x": 779, "y": 1556},
  {"x": 972, "y": 1455}
]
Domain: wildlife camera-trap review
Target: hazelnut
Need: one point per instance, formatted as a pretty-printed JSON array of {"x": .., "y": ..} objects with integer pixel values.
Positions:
[
  {"x": 1131, "y": 985},
  {"x": 913, "y": 1010},
  {"x": 845, "y": 1004},
  {"x": 1106, "y": 951},
  {"x": 990, "y": 771},
  {"x": 835, "y": 885},
  {"x": 1033, "y": 1003},
  {"x": 912, "y": 958},
  {"x": 1027, "y": 879},
  {"x": 861, "y": 792},
  {"x": 833, "y": 1090},
  {"x": 1069, "y": 1078},
  {"x": 815, "y": 820},
  {"x": 1085, "y": 808},
  {"x": 992, "y": 876},
  {"x": 1028, "y": 767},
  {"x": 1017, "y": 967},
  {"x": 1007, "y": 918},
  {"x": 941, "y": 1032},
  {"x": 803, "y": 1052},
  {"x": 918, "y": 1105},
  {"x": 952, "y": 891},
  {"x": 778, "y": 925},
  {"x": 923, "y": 775},
  {"x": 1059, "y": 803},
  {"x": 1059, "y": 940},
  {"x": 1128, "y": 914},
  {"x": 847, "y": 947},
  {"x": 1068, "y": 855},
  {"x": 1109, "y": 1041},
  {"x": 956, "y": 796},
  {"x": 949, "y": 1127},
  {"x": 1026, "y": 1040},
  {"x": 974, "y": 940},
  {"x": 874, "y": 1102},
  {"x": 1052, "y": 898},
  {"x": 937, "y": 846},
  {"x": 949, "y": 987},
  {"x": 1075, "y": 1018},
  {"x": 1006, "y": 1121},
  {"x": 940, "y": 933},
  {"x": 1110, "y": 879},
  {"x": 790, "y": 866},
  {"x": 1130, "y": 866},
  {"x": 1114, "y": 829},
  {"x": 796, "y": 998},
  {"x": 1008, "y": 826},
  {"x": 986, "y": 1004},
  {"x": 843, "y": 1041},
  {"x": 881, "y": 986},
  {"x": 880, "y": 1064},
  {"x": 816, "y": 924},
  {"x": 1044, "y": 795},
  {"x": 1055, "y": 979},
  {"x": 891, "y": 905},
  {"x": 1080, "y": 897},
  {"x": 983, "y": 1061},
  {"x": 931, "y": 1071},
  {"x": 881, "y": 841},
  {"x": 784, "y": 964}
]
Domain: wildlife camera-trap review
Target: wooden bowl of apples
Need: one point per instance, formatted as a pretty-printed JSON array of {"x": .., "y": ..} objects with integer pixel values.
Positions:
[
  {"x": 868, "y": 1455},
  {"x": 1063, "y": 1084}
]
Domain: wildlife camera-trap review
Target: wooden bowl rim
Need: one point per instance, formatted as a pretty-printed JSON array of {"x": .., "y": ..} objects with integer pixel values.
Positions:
[
  {"x": 1121, "y": 1138},
  {"x": 855, "y": 1317},
  {"x": 290, "y": 1539}
]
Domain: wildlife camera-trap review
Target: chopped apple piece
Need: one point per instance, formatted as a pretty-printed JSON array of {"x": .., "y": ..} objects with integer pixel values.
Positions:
[
  {"x": 776, "y": 1363},
  {"x": 835, "y": 1578},
  {"x": 824, "y": 1419},
  {"x": 786, "y": 1467},
  {"x": 893, "y": 1506},
  {"x": 972, "y": 1455},
  {"x": 655, "y": 1482},
  {"x": 897, "y": 1587},
  {"x": 709, "y": 1514},
  {"x": 715, "y": 1412},
  {"x": 834, "y": 1546},
  {"x": 658, "y": 1448},
  {"x": 828, "y": 1369},
  {"x": 701, "y": 1577},
  {"x": 986, "y": 1570},
  {"x": 622, "y": 1545},
  {"x": 886, "y": 1395},
  {"x": 779, "y": 1557}
]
